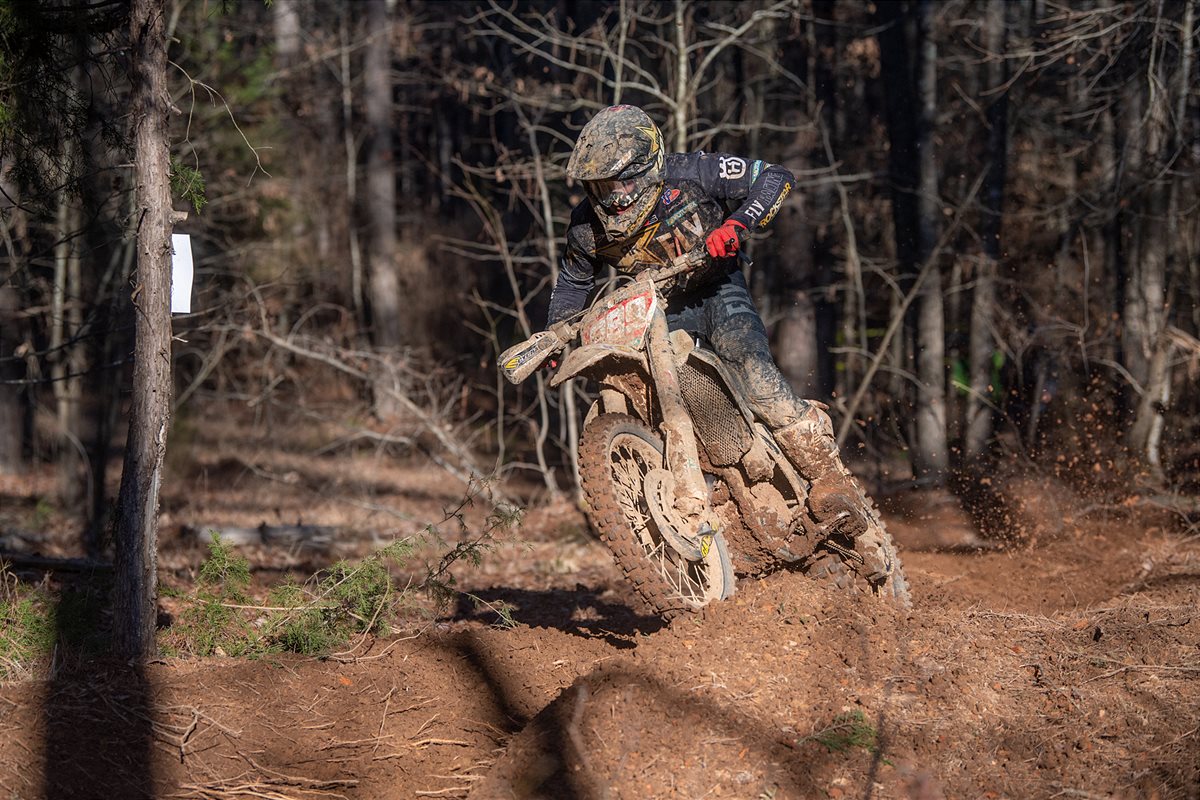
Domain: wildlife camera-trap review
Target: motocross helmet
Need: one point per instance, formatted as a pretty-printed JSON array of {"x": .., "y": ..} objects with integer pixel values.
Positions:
[{"x": 618, "y": 158}]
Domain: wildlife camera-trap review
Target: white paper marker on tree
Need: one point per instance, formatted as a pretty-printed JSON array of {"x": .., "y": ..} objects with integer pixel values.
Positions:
[{"x": 181, "y": 273}]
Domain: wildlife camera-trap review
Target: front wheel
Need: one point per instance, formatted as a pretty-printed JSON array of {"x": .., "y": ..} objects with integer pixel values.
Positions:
[{"x": 616, "y": 452}]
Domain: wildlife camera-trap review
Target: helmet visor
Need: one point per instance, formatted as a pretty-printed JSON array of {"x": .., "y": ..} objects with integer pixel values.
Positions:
[{"x": 617, "y": 194}]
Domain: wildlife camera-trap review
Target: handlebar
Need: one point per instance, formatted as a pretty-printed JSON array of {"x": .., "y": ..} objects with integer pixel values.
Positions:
[
  {"x": 679, "y": 265},
  {"x": 520, "y": 361}
]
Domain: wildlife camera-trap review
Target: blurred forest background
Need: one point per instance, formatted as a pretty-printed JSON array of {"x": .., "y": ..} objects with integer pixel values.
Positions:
[{"x": 993, "y": 248}]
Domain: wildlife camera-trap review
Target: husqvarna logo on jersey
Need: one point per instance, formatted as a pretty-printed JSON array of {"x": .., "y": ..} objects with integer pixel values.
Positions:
[{"x": 732, "y": 168}]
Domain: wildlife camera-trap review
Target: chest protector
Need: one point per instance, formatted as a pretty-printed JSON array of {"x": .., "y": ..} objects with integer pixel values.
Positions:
[{"x": 683, "y": 217}]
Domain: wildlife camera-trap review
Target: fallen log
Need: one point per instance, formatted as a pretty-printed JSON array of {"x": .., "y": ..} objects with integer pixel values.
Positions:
[
  {"x": 27, "y": 561},
  {"x": 314, "y": 537}
]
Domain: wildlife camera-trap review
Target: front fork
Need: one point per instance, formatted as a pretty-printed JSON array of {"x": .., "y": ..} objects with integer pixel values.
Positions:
[{"x": 683, "y": 458}]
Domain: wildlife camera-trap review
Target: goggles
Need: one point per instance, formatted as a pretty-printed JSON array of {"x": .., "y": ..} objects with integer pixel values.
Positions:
[{"x": 619, "y": 193}]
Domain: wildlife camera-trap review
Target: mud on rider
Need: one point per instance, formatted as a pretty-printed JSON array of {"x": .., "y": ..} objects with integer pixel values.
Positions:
[{"x": 645, "y": 207}]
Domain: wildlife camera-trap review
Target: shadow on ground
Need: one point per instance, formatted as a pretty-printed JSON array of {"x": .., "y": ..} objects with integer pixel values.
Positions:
[
  {"x": 96, "y": 712},
  {"x": 578, "y": 611}
]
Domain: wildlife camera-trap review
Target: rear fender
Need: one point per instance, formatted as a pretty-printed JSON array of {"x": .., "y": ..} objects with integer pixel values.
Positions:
[{"x": 614, "y": 358}]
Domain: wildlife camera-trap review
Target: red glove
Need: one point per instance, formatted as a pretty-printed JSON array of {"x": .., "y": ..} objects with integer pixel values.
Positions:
[{"x": 725, "y": 240}]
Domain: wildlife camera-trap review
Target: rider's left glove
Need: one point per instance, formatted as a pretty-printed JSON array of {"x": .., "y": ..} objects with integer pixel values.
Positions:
[{"x": 725, "y": 240}]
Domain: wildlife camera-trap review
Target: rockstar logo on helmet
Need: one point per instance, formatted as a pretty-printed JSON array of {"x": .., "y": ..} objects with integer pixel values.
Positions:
[{"x": 655, "y": 137}]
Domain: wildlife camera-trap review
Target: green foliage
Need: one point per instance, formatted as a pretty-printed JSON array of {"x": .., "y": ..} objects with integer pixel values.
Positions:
[
  {"x": 28, "y": 628},
  {"x": 302, "y": 629},
  {"x": 848, "y": 731},
  {"x": 41, "y": 107},
  {"x": 34, "y": 620},
  {"x": 311, "y": 618},
  {"x": 8, "y": 29},
  {"x": 210, "y": 627},
  {"x": 188, "y": 183},
  {"x": 439, "y": 581},
  {"x": 361, "y": 592},
  {"x": 329, "y": 609},
  {"x": 502, "y": 610},
  {"x": 225, "y": 570},
  {"x": 42, "y": 512},
  {"x": 347, "y": 600},
  {"x": 211, "y": 624}
]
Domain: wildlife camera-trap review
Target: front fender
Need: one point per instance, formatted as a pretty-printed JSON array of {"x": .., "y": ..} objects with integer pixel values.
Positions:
[{"x": 585, "y": 358}]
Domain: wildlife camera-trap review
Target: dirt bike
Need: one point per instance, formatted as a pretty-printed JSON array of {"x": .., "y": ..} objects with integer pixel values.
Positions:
[{"x": 683, "y": 484}]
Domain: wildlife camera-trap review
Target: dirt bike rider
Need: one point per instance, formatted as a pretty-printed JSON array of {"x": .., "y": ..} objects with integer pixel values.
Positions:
[{"x": 644, "y": 208}]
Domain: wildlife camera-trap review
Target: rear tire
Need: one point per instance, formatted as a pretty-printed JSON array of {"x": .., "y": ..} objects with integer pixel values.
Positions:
[
  {"x": 832, "y": 567},
  {"x": 616, "y": 451}
]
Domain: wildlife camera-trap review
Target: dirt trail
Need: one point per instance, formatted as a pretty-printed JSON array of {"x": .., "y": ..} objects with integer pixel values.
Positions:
[{"x": 1064, "y": 670}]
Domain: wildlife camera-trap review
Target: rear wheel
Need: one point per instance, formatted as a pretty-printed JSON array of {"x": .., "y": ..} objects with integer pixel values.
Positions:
[
  {"x": 867, "y": 563},
  {"x": 616, "y": 452}
]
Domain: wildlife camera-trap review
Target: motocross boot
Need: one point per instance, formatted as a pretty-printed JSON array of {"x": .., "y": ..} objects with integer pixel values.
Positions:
[{"x": 810, "y": 445}]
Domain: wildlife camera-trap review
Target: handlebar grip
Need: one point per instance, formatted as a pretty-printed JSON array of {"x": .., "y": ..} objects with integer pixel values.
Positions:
[{"x": 522, "y": 360}]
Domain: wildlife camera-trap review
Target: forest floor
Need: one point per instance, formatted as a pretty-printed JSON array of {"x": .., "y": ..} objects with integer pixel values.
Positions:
[{"x": 1063, "y": 661}]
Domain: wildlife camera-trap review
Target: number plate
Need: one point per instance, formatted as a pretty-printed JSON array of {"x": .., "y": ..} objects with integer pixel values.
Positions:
[{"x": 623, "y": 322}]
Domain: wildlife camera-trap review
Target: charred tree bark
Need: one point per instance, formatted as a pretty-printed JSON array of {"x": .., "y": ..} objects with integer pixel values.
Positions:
[
  {"x": 136, "y": 532},
  {"x": 979, "y": 412}
]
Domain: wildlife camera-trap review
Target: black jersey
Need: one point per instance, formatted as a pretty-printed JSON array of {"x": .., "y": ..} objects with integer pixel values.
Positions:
[{"x": 699, "y": 192}]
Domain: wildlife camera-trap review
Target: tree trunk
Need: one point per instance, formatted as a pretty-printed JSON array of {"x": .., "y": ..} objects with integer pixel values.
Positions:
[
  {"x": 286, "y": 20},
  {"x": 1135, "y": 352},
  {"x": 822, "y": 48},
  {"x": 380, "y": 197},
  {"x": 11, "y": 440},
  {"x": 67, "y": 357},
  {"x": 931, "y": 454},
  {"x": 784, "y": 280},
  {"x": 136, "y": 537},
  {"x": 979, "y": 412},
  {"x": 65, "y": 230},
  {"x": 386, "y": 309},
  {"x": 895, "y": 51},
  {"x": 795, "y": 337},
  {"x": 1144, "y": 435},
  {"x": 1159, "y": 246},
  {"x": 350, "y": 145},
  {"x": 12, "y": 416},
  {"x": 682, "y": 100}
]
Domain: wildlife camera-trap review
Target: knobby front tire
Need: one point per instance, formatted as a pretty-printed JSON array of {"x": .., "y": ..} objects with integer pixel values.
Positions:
[{"x": 616, "y": 451}]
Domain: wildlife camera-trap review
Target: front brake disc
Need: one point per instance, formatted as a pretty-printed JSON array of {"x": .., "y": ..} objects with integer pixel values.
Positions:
[{"x": 659, "y": 488}]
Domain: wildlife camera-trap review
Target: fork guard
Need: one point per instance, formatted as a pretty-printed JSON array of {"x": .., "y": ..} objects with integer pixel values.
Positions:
[{"x": 584, "y": 358}]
